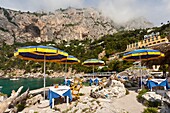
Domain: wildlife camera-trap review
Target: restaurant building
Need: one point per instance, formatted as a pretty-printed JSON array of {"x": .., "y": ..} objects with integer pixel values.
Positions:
[{"x": 148, "y": 41}]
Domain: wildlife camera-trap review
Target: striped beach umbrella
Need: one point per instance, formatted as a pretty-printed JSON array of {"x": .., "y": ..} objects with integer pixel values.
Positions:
[
  {"x": 93, "y": 62},
  {"x": 70, "y": 60},
  {"x": 142, "y": 55},
  {"x": 41, "y": 54}
]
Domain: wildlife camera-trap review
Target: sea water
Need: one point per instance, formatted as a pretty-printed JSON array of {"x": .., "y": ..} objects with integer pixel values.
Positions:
[{"x": 31, "y": 83}]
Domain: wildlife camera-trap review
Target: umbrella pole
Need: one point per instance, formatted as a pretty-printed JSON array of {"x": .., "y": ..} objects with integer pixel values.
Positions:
[
  {"x": 66, "y": 68},
  {"x": 65, "y": 73},
  {"x": 93, "y": 71},
  {"x": 140, "y": 72},
  {"x": 44, "y": 76}
]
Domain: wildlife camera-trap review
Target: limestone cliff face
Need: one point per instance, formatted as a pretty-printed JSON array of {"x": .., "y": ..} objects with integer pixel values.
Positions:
[{"x": 67, "y": 24}]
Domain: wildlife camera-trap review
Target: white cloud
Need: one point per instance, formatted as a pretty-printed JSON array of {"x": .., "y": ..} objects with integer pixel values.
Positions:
[
  {"x": 156, "y": 11},
  {"x": 36, "y": 5},
  {"x": 119, "y": 10},
  {"x": 52, "y": 5}
]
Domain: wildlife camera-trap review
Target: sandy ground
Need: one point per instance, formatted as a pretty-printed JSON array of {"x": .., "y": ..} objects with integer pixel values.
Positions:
[{"x": 128, "y": 103}]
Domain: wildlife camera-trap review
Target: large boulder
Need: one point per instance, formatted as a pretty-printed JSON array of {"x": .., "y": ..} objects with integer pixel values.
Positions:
[
  {"x": 152, "y": 96},
  {"x": 114, "y": 89},
  {"x": 118, "y": 89},
  {"x": 166, "y": 103},
  {"x": 34, "y": 100}
]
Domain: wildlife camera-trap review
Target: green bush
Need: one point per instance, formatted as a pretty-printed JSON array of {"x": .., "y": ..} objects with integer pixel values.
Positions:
[
  {"x": 152, "y": 104},
  {"x": 145, "y": 102},
  {"x": 20, "y": 107},
  {"x": 81, "y": 94},
  {"x": 85, "y": 83},
  {"x": 139, "y": 96},
  {"x": 150, "y": 110}
]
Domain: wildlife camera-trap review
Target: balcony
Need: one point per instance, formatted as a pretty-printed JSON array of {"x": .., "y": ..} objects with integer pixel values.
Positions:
[{"x": 152, "y": 41}]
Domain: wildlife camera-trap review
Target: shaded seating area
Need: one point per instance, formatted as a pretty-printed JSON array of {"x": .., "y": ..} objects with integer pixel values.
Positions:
[{"x": 58, "y": 92}]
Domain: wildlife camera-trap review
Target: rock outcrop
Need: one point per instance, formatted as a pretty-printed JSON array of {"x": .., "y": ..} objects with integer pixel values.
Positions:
[
  {"x": 112, "y": 89},
  {"x": 152, "y": 96},
  {"x": 166, "y": 103},
  {"x": 90, "y": 105},
  {"x": 62, "y": 24},
  {"x": 34, "y": 100},
  {"x": 67, "y": 24}
]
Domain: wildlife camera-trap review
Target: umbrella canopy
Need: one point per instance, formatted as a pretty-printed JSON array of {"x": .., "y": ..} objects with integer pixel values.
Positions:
[
  {"x": 70, "y": 60},
  {"x": 93, "y": 62},
  {"x": 41, "y": 54},
  {"x": 142, "y": 54}
]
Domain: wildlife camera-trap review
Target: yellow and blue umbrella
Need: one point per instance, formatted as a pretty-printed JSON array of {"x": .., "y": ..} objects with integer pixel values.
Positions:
[
  {"x": 41, "y": 54},
  {"x": 70, "y": 60},
  {"x": 142, "y": 54},
  {"x": 93, "y": 62}
]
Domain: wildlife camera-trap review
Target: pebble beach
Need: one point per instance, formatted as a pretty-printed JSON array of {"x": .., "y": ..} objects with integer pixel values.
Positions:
[{"x": 125, "y": 104}]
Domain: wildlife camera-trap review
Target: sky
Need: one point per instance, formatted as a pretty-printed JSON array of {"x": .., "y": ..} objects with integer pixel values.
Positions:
[{"x": 155, "y": 11}]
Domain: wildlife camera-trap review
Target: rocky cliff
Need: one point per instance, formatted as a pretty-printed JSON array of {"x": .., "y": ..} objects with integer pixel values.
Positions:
[{"x": 62, "y": 24}]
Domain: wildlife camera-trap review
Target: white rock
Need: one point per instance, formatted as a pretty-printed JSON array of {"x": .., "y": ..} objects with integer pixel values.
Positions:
[
  {"x": 152, "y": 96},
  {"x": 34, "y": 100},
  {"x": 116, "y": 89}
]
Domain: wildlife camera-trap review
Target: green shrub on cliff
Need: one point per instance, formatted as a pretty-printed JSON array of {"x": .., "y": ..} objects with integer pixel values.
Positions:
[{"x": 150, "y": 110}]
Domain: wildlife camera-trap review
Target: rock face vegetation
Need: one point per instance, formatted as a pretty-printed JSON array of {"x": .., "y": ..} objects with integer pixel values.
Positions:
[
  {"x": 83, "y": 33},
  {"x": 62, "y": 24}
]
